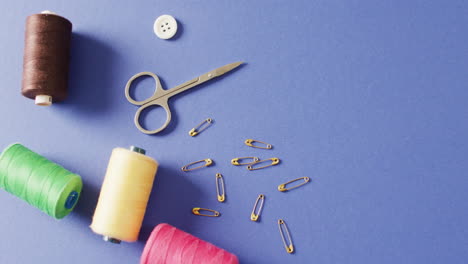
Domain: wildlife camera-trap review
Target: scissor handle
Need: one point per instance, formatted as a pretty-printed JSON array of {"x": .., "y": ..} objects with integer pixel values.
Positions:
[
  {"x": 136, "y": 76},
  {"x": 162, "y": 104}
]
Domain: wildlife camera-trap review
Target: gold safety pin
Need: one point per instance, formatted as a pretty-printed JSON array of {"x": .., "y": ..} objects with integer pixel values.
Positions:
[
  {"x": 196, "y": 211},
  {"x": 200, "y": 127},
  {"x": 282, "y": 187},
  {"x": 289, "y": 246},
  {"x": 274, "y": 161},
  {"x": 249, "y": 142},
  {"x": 220, "y": 179},
  {"x": 235, "y": 161},
  {"x": 255, "y": 215},
  {"x": 208, "y": 162}
]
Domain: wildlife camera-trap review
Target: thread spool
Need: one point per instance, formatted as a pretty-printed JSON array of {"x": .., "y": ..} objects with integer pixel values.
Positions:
[
  {"x": 46, "y": 58},
  {"x": 124, "y": 195},
  {"x": 170, "y": 245},
  {"x": 38, "y": 181}
]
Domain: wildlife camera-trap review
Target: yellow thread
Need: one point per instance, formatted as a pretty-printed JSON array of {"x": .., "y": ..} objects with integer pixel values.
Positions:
[{"x": 124, "y": 195}]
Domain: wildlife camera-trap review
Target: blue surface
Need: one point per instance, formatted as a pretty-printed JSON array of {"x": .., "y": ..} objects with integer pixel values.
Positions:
[{"x": 368, "y": 98}]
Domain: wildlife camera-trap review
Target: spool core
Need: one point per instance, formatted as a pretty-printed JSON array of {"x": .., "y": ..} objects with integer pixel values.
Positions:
[
  {"x": 71, "y": 200},
  {"x": 43, "y": 100},
  {"x": 48, "y": 12},
  {"x": 138, "y": 150},
  {"x": 111, "y": 239}
]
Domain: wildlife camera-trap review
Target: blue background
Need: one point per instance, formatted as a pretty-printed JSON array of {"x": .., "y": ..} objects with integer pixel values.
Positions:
[{"x": 368, "y": 98}]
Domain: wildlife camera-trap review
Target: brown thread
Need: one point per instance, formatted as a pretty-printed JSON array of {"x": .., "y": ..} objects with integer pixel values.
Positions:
[{"x": 46, "y": 56}]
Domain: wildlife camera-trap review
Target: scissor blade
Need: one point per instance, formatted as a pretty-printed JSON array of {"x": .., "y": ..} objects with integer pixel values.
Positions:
[
  {"x": 201, "y": 79},
  {"x": 226, "y": 68}
]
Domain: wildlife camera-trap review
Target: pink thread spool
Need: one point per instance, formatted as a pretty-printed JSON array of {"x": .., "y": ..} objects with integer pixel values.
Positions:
[{"x": 169, "y": 245}]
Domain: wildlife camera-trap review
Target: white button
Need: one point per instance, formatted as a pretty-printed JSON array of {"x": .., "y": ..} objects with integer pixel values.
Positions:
[{"x": 165, "y": 27}]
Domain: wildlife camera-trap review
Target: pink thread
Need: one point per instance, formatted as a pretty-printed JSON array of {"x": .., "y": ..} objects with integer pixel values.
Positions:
[{"x": 169, "y": 245}]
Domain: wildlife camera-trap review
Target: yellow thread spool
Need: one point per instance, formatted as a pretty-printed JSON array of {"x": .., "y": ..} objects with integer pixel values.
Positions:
[{"x": 124, "y": 195}]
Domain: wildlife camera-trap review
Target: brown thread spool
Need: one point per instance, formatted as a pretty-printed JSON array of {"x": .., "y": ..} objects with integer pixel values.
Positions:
[{"x": 46, "y": 58}]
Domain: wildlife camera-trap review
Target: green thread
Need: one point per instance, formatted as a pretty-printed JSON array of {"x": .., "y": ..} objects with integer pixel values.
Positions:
[{"x": 38, "y": 181}]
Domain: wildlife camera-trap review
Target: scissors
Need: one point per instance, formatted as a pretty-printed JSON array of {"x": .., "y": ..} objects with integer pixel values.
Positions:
[{"x": 161, "y": 96}]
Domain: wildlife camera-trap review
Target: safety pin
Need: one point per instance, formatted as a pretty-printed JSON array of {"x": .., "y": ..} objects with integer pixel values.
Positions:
[
  {"x": 219, "y": 179},
  {"x": 200, "y": 127},
  {"x": 196, "y": 211},
  {"x": 274, "y": 161},
  {"x": 235, "y": 161},
  {"x": 282, "y": 187},
  {"x": 249, "y": 142},
  {"x": 208, "y": 162},
  {"x": 254, "y": 216},
  {"x": 289, "y": 246}
]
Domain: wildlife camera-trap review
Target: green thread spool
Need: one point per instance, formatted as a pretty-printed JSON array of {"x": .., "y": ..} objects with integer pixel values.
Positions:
[{"x": 38, "y": 181}]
